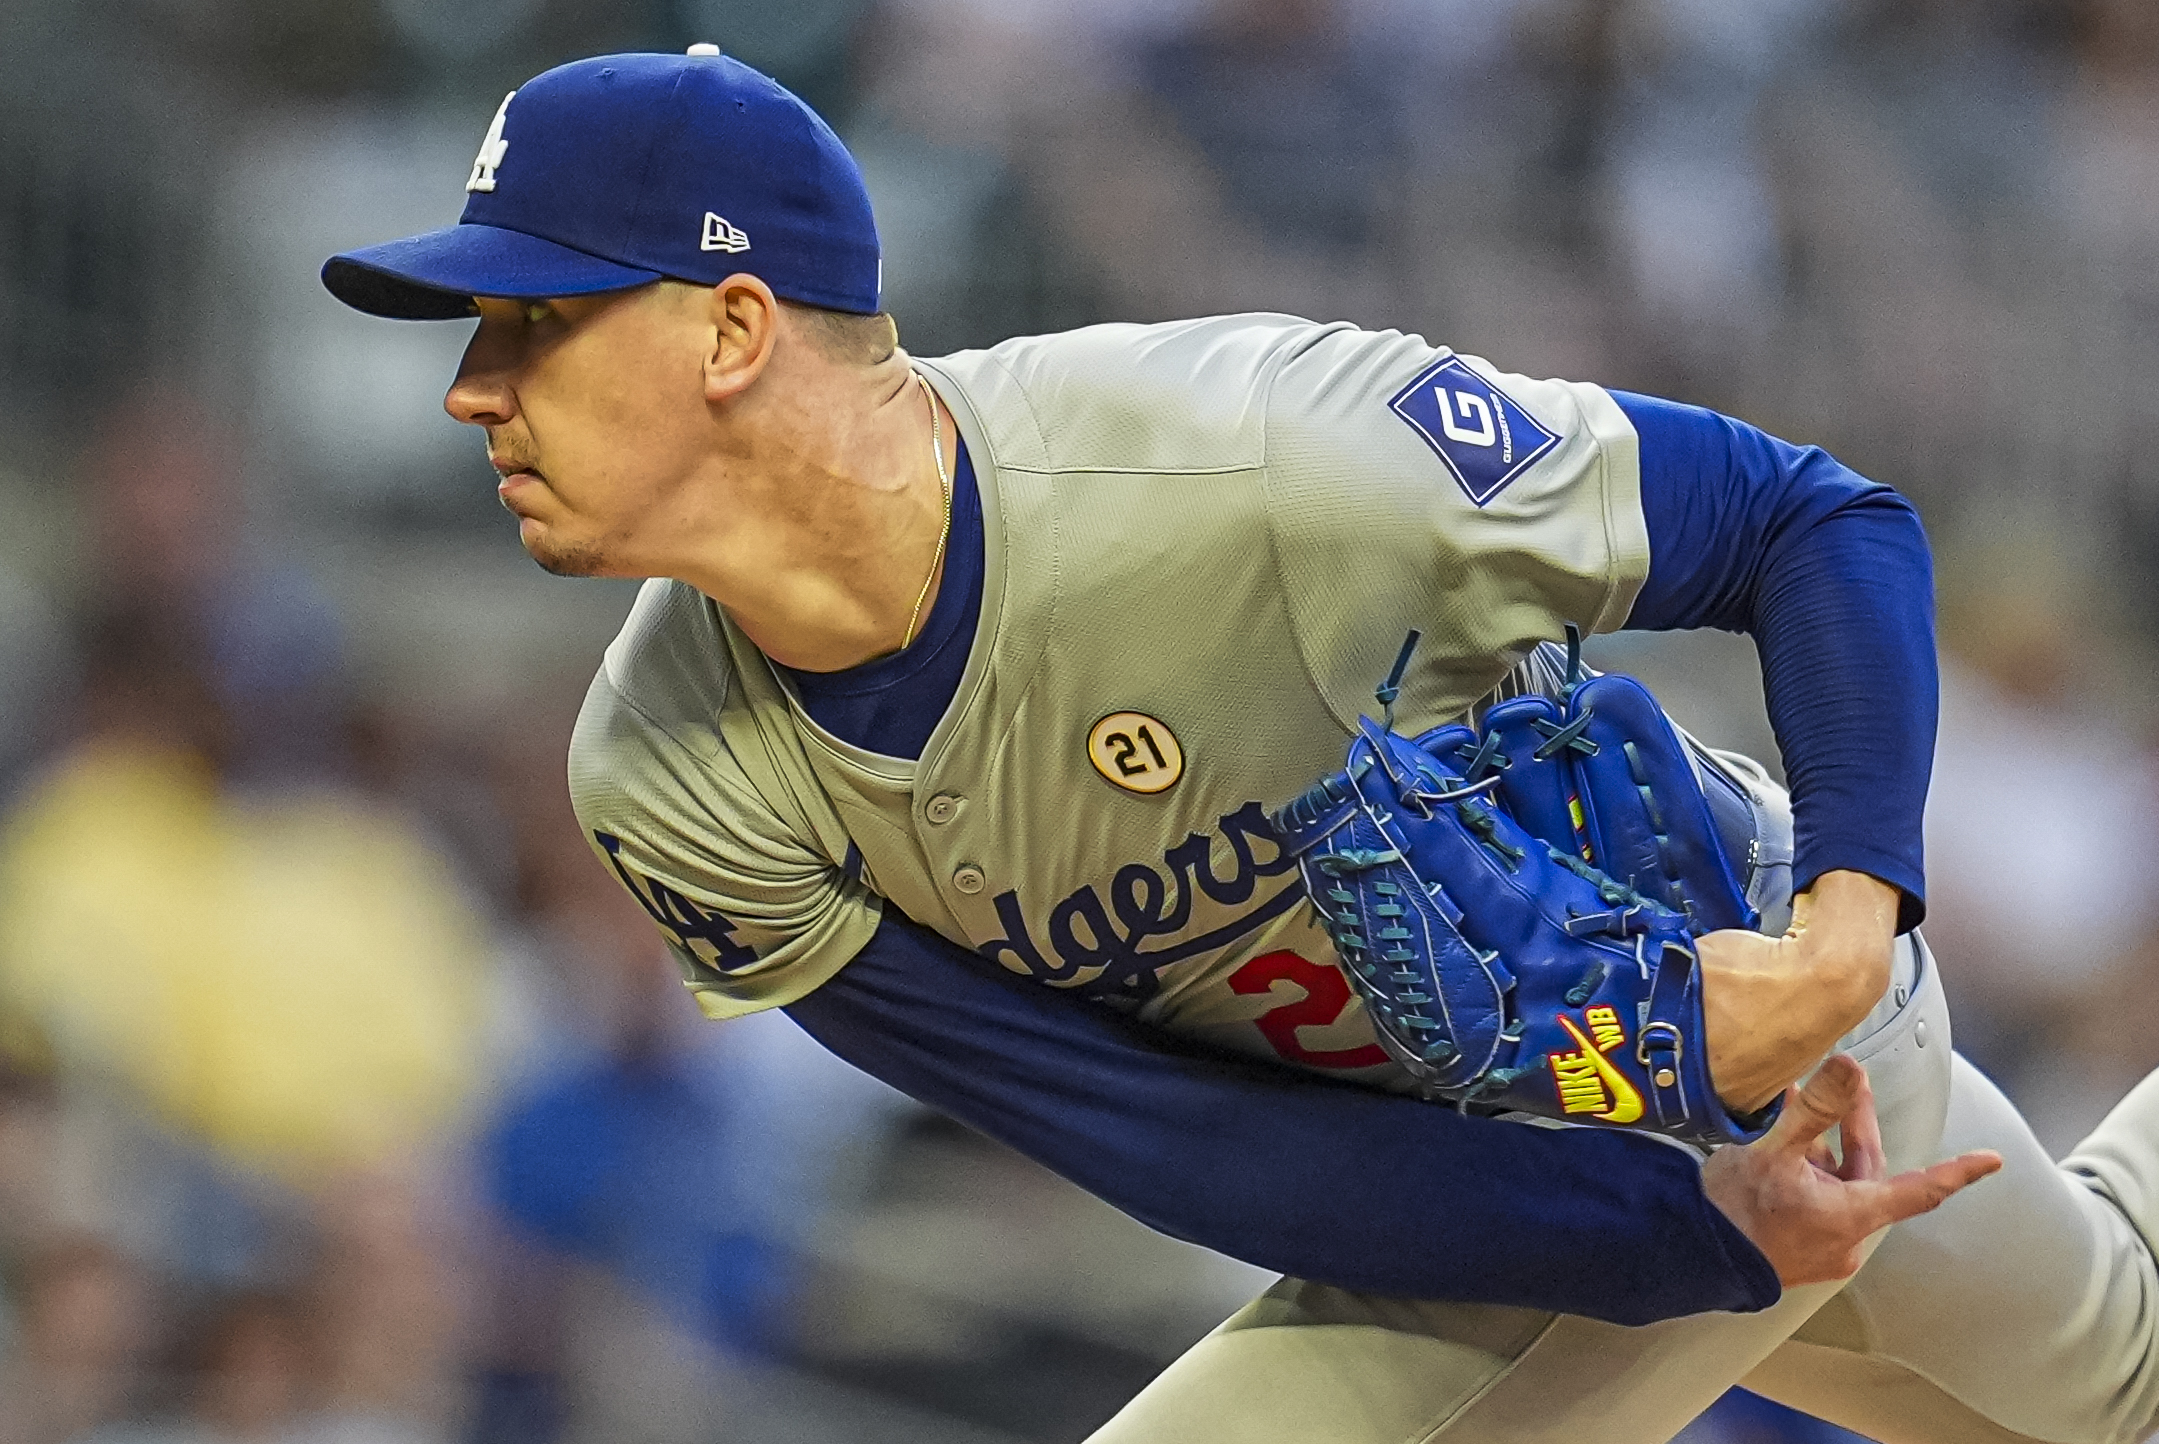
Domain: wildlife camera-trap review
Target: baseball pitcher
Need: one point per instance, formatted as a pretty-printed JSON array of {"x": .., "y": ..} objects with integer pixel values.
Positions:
[{"x": 1149, "y": 744}]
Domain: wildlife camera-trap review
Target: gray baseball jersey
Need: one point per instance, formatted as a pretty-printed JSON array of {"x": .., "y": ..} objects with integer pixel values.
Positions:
[{"x": 1204, "y": 544}]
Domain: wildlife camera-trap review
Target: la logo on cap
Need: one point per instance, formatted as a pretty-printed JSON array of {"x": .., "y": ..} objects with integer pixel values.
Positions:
[
  {"x": 492, "y": 150},
  {"x": 718, "y": 236}
]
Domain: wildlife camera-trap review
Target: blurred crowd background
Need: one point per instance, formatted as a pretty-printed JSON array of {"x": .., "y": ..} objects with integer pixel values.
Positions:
[{"x": 342, "y": 1097}]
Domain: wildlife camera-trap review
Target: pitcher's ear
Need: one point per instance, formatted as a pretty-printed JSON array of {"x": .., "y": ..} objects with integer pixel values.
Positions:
[{"x": 744, "y": 317}]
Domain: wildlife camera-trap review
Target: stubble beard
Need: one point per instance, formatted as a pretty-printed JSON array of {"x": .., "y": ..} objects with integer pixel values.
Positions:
[
  {"x": 567, "y": 561},
  {"x": 564, "y": 557}
]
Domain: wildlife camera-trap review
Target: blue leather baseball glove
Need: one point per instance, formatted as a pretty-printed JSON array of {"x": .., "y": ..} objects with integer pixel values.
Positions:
[
  {"x": 1602, "y": 773},
  {"x": 1500, "y": 964}
]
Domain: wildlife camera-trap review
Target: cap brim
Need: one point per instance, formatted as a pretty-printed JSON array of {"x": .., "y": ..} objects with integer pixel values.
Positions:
[{"x": 433, "y": 277}]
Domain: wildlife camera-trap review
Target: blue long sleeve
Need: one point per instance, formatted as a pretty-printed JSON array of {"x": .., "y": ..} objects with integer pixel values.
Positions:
[
  {"x": 1307, "y": 1175},
  {"x": 1831, "y": 575}
]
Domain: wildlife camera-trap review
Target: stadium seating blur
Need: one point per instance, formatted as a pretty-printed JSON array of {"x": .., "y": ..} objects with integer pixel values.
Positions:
[{"x": 342, "y": 1096}]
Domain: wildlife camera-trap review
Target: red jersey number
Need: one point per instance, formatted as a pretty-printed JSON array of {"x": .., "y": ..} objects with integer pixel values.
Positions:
[{"x": 1326, "y": 994}]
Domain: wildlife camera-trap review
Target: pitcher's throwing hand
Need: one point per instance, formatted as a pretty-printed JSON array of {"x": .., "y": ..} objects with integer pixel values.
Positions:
[{"x": 1806, "y": 1209}]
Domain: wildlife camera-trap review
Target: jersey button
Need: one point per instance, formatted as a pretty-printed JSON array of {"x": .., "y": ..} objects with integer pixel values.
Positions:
[
  {"x": 968, "y": 879},
  {"x": 942, "y": 808}
]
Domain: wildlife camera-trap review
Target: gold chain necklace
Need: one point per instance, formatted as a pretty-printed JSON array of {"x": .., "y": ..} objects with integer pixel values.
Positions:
[{"x": 944, "y": 532}]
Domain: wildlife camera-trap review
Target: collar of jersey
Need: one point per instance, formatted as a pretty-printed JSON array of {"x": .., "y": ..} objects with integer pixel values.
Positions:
[{"x": 952, "y": 604}]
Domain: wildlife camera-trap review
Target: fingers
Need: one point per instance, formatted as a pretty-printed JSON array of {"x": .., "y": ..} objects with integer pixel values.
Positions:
[
  {"x": 1812, "y": 1110},
  {"x": 1861, "y": 1135},
  {"x": 1925, "y": 1189}
]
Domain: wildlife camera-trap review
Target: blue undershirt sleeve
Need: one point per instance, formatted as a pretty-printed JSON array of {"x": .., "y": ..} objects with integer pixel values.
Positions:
[
  {"x": 1831, "y": 575},
  {"x": 1317, "y": 1178}
]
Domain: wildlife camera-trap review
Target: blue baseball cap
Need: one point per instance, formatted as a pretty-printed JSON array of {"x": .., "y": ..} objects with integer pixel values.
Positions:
[{"x": 608, "y": 173}]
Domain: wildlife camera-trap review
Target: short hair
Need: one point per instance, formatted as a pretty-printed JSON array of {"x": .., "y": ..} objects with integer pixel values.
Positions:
[{"x": 847, "y": 336}]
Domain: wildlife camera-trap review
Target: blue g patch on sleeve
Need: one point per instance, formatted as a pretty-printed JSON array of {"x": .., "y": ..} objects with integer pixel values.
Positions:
[{"x": 1479, "y": 432}]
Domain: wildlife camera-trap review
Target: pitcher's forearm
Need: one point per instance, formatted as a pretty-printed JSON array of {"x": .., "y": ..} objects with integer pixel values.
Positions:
[
  {"x": 1775, "y": 1006},
  {"x": 1845, "y": 926}
]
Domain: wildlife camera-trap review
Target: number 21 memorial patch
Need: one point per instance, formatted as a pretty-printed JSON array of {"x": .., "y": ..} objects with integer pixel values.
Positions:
[{"x": 1485, "y": 439}]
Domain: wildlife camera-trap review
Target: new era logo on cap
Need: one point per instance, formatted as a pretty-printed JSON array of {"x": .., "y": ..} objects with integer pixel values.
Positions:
[
  {"x": 720, "y": 236},
  {"x": 615, "y": 160}
]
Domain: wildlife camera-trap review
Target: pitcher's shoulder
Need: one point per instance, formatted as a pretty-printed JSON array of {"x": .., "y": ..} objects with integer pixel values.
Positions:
[
  {"x": 668, "y": 666},
  {"x": 1169, "y": 397}
]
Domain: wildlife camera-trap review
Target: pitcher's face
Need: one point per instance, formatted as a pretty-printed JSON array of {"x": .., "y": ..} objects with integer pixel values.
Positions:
[{"x": 595, "y": 415}]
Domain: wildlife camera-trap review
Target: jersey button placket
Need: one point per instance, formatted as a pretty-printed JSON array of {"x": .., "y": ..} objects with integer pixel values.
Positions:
[
  {"x": 968, "y": 878},
  {"x": 941, "y": 809}
]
